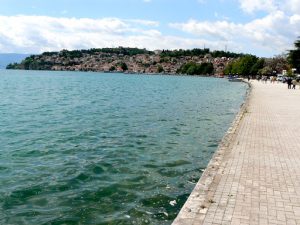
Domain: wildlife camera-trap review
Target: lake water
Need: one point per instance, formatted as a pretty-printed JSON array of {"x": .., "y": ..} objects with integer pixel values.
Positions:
[{"x": 92, "y": 148}]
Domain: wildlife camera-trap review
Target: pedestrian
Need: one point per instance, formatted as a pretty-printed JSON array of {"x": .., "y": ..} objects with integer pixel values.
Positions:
[
  {"x": 258, "y": 78},
  {"x": 248, "y": 78},
  {"x": 289, "y": 82},
  {"x": 294, "y": 82}
]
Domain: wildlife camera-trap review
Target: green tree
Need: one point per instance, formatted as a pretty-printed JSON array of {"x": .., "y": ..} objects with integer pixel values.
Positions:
[
  {"x": 192, "y": 68},
  {"x": 267, "y": 70},
  {"x": 294, "y": 56},
  {"x": 12, "y": 66},
  {"x": 257, "y": 67},
  {"x": 228, "y": 69},
  {"x": 245, "y": 65},
  {"x": 124, "y": 66},
  {"x": 160, "y": 69},
  {"x": 278, "y": 63}
]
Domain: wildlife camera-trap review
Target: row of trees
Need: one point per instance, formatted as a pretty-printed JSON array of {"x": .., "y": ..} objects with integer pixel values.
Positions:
[
  {"x": 294, "y": 56},
  {"x": 248, "y": 64},
  {"x": 192, "y": 68},
  {"x": 198, "y": 52},
  {"x": 119, "y": 50},
  {"x": 252, "y": 65},
  {"x": 31, "y": 63},
  {"x": 79, "y": 53}
]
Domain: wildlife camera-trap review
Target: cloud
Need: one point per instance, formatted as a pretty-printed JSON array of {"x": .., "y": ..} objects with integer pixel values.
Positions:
[
  {"x": 251, "y": 6},
  {"x": 36, "y": 34},
  {"x": 288, "y": 6},
  {"x": 272, "y": 34},
  {"x": 295, "y": 19},
  {"x": 293, "y": 6},
  {"x": 266, "y": 36},
  {"x": 33, "y": 34},
  {"x": 145, "y": 22}
]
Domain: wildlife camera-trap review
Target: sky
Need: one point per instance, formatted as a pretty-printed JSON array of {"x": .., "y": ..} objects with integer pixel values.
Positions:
[{"x": 261, "y": 27}]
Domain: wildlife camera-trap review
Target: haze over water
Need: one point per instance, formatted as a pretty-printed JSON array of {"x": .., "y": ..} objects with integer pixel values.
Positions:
[{"x": 92, "y": 148}]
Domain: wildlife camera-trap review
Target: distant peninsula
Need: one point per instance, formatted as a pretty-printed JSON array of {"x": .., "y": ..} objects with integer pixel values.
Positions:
[
  {"x": 131, "y": 60},
  {"x": 6, "y": 58}
]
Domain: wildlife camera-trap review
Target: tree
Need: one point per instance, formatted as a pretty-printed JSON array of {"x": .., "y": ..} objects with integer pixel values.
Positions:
[
  {"x": 277, "y": 63},
  {"x": 160, "y": 69},
  {"x": 206, "y": 68},
  {"x": 294, "y": 56},
  {"x": 266, "y": 71},
  {"x": 192, "y": 68},
  {"x": 12, "y": 66},
  {"x": 257, "y": 67},
  {"x": 124, "y": 66},
  {"x": 242, "y": 66},
  {"x": 228, "y": 69},
  {"x": 246, "y": 63}
]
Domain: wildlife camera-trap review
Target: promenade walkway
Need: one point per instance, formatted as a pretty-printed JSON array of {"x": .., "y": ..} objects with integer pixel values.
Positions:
[{"x": 257, "y": 180}]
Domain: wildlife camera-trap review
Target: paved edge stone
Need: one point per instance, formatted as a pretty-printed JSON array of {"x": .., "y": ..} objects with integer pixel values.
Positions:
[{"x": 202, "y": 196}]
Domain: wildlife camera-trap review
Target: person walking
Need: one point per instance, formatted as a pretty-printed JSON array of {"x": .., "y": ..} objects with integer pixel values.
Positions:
[
  {"x": 294, "y": 82},
  {"x": 289, "y": 83}
]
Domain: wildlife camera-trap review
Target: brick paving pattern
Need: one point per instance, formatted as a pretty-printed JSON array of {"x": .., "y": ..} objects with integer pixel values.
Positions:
[{"x": 259, "y": 180}]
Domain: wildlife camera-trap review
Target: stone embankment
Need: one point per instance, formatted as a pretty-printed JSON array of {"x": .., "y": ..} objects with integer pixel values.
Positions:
[{"x": 254, "y": 177}]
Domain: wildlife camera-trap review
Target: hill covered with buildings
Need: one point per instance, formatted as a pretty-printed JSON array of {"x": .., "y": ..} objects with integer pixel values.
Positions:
[{"x": 131, "y": 60}]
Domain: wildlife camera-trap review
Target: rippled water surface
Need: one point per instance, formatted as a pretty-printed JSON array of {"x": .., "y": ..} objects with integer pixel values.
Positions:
[{"x": 92, "y": 148}]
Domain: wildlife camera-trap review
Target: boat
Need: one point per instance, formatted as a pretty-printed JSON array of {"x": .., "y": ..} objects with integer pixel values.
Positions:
[{"x": 234, "y": 79}]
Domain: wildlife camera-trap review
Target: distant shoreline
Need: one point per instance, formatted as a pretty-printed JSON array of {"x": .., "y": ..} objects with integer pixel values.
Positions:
[
  {"x": 131, "y": 60},
  {"x": 124, "y": 73}
]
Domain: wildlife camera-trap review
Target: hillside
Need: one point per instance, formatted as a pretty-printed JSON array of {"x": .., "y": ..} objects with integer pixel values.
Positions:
[{"x": 130, "y": 60}]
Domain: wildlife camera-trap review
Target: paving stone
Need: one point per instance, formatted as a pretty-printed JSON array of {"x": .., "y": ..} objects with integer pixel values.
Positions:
[{"x": 259, "y": 166}]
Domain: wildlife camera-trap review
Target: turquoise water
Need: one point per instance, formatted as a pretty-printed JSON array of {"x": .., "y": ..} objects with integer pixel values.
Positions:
[{"x": 92, "y": 148}]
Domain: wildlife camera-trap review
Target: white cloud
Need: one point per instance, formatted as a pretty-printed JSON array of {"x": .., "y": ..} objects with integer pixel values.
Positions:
[
  {"x": 144, "y": 22},
  {"x": 295, "y": 19},
  {"x": 41, "y": 33},
  {"x": 221, "y": 30},
  {"x": 269, "y": 35},
  {"x": 35, "y": 34},
  {"x": 251, "y": 6},
  {"x": 289, "y": 6},
  {"x": 266, "y": 36},
  {"x": 293, "y": 6}
]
